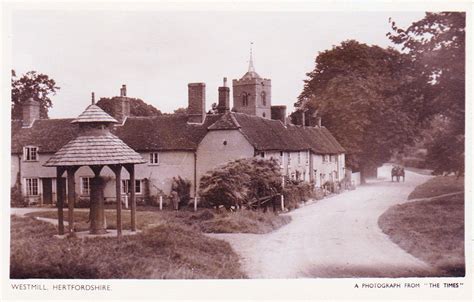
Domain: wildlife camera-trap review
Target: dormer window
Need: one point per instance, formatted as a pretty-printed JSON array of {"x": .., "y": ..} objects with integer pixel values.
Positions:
[
  {"x": 154, "y": 158},
  {"x": 30, "y": 153},
  {"x": 245, "y": 99}
]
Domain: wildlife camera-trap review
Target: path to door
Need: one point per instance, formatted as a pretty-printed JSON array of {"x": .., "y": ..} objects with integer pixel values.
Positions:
[{"x": 335, "y": 237}]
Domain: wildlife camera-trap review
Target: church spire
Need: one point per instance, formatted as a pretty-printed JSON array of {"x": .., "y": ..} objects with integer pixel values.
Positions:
[{"x": 251, "y": 68}]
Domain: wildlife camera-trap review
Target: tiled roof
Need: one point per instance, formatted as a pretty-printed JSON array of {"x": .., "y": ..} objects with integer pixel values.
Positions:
[
  {"x": 165, "y": 132},
  {"x": 94, "y": 114},
  {"x": 265, "y": 134},
  {"x": 48, "y": 135},
  {"x": 104, "y": 149},
  {"x": 226, "y": 122},
  {"x": 172, "y": 132}
]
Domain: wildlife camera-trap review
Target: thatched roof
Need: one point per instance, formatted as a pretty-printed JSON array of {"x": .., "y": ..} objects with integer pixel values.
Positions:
[{"x": 94, "y": 150}]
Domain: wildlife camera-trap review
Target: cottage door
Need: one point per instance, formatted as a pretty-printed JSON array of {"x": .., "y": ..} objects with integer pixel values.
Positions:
[{"x": 47, "y": 190}]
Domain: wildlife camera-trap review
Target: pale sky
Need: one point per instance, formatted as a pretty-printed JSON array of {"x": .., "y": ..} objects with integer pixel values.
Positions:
[{"x": 156, "y": 54}]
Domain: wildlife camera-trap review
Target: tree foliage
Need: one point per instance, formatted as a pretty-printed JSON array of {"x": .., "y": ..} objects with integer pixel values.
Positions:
[
  {"x": 436, "y": 46},
  {"x": 239, "y": 182},
  {"x": 361, "y": 94},
  {"x": 137, "y": 106},
  {"x": 32, "y": 85},
  {"x": 181, "y": 111}
]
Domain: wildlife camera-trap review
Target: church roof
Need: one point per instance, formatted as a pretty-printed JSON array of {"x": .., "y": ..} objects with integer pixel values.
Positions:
[{"x": 94, "y": 114}]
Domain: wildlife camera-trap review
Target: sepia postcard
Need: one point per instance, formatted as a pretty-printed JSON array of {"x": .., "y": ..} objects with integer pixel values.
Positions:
[{"x": 229, "y": 150}]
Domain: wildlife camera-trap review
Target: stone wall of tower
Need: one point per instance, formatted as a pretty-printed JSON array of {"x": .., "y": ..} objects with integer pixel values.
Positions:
[{"x": 254, "y": 89}]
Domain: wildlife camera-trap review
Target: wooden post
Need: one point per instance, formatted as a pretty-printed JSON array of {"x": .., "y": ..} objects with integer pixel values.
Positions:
[
  {"x": 195, "y": 203},
  {"x": 131, "y": 171},
  {"x": 71, "y": 196},
  {"x": 161, "y": 202},
  {"x": 282, "y": 202},
  {"x": 117, "y": 169},
  {"x": 60, "y": 199}
]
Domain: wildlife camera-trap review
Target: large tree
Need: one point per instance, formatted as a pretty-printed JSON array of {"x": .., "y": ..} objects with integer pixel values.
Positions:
[
  {"x": 137, "y": 106},
  {"x": 436, "y": 45},
  {"x": 32, "y": 85},
  {"x": 358, "y": 91}
]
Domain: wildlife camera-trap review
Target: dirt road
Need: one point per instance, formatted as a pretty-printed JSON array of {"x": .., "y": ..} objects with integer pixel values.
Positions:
[{"x": 334, "y": 237}]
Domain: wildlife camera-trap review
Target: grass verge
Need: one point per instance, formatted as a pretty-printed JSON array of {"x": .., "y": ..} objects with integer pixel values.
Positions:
[
  {"x": 166, "y": 251},
  {"x": 431, "y": 230},
  {"x": 203, "y": 220},
  {"x": 437, "y": 186}
]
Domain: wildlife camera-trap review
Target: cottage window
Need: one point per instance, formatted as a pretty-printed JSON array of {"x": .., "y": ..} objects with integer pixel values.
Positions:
[
  {"x": 264, "y": 98},
  {"x": 85, "y": 186},
  {"x": 154, "y": 158},
  {"x": 326, "y": 158},
  {"x": 31, "y": 186},
  {"x": 262, "y": 154},
  {"x": 245, "y": 99},
  {"x": 289, "y": 158},
  {"x": 299, "y": 157},
  {"x": 307, "y": 158},
  {"x": 30, "y": 153},
  {"x": 126, "y": 186}
]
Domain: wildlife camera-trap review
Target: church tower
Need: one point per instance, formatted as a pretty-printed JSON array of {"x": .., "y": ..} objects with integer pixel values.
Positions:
[{"x": 252, "y": 94}]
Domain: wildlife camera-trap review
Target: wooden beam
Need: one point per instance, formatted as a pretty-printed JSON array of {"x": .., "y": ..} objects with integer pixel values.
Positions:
[
  {"x": 131, "y": 170},
  {"x": 71, "y": 196},
  {"x": 117, "y": 170},
  {"x": 60, "y": 198}
]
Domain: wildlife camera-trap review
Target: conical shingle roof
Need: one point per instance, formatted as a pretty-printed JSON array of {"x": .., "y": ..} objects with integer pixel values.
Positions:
[
  {"x": 90, "y": 149},
  {"x": 94, "y": 114}
]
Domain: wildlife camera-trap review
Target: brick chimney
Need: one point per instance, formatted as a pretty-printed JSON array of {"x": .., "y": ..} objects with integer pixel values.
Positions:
[
  {"x": 224, "y": 98},
  {"x": 31, "y": 112},
  {"x": 278, "y": 112},
  {"x": 121, "y": 106},
  {"x": 196, "y": 103}
]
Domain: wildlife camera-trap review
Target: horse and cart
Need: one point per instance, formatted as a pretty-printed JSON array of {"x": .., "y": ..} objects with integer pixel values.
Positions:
[{"x": 397, "y": 172}]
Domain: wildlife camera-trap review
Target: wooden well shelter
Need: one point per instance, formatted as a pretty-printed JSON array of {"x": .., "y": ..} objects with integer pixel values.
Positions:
[{"x": 95, "y": 147}]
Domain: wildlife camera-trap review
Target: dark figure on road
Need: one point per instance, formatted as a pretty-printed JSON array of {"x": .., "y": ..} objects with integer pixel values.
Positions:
[{"x": 398, "y": 171}]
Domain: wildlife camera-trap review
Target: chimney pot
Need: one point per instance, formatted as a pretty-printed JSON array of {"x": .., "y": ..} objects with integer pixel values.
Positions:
[{"x": 225, "y": 81}]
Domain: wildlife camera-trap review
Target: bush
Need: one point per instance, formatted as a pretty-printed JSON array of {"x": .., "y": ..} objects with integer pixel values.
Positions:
[
  {"x": 240, "y": 183},
  {"x": 16, "y": 199},
  {"x": 296, "y": 192},
  {"x": 183, "y": 188}
]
